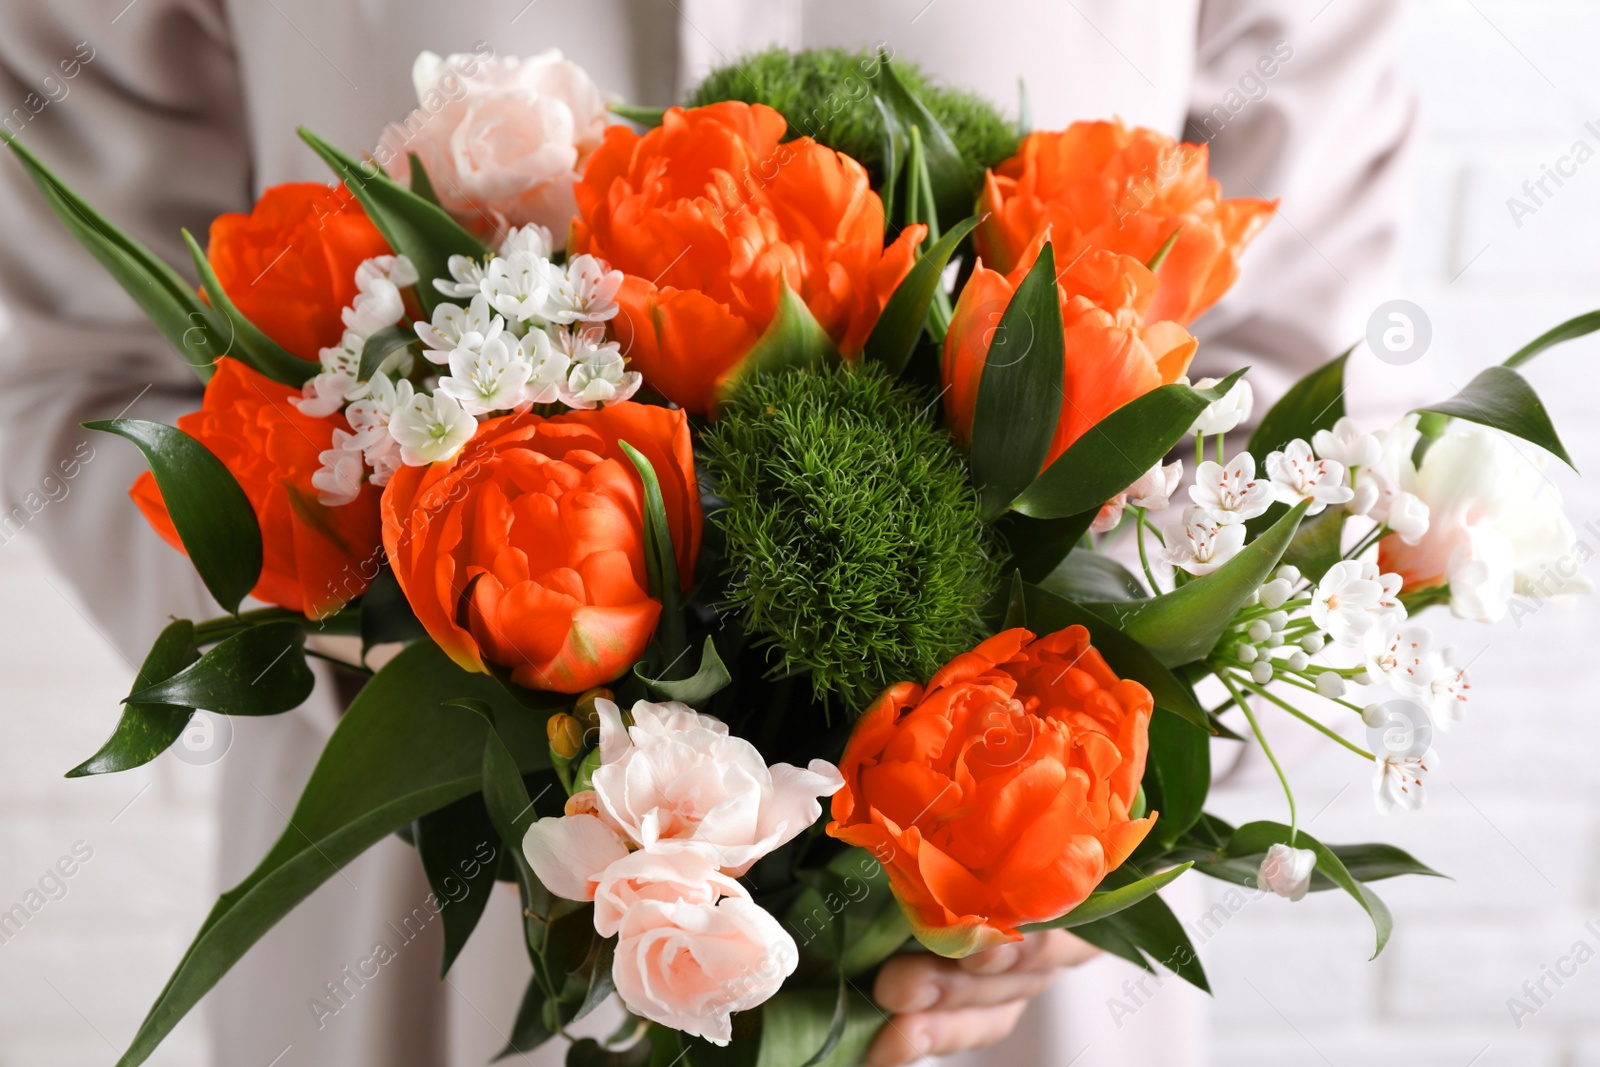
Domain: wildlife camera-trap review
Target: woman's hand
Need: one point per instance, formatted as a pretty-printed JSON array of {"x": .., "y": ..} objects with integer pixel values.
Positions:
[{"x": 942, "y": 1006}]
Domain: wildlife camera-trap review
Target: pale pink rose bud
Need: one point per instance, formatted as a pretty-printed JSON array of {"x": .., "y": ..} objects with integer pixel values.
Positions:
[
  {"x": 1286, "y": 871},
  {"x": 690, "y": 965}
]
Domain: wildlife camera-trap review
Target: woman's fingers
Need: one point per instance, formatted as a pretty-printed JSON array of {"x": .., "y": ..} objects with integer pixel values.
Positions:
[
  {"x": 1003, "y": 974},
  {"x": 908, "y": 1038}
]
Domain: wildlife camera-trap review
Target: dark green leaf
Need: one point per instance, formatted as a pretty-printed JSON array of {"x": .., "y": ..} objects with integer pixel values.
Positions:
[
  {"x": 1107, "y": 902},
  {"x": 1313, "y": 403},
  {"x": 1161, "y": 253},
  {"x": 212, "y": 515},
  {"x": 896, "y": 145},
  {"x": 397, "y": 754},
  {"x": 1179, "y": 761},
  {"x": 704, "y": 684},
  {"x": 380, "y": 346},
  {"x": 794, "y": 338},
  {"x": 645, "y": 116},
  {"x": 1375, "y": 862},
  {"x": 1106, "y": 937},
  {"x": 1318, "y": 544},
  {"x": 1123, "y": 654},
  {"x": 1254, "y": 839},
  {"x": 949, "y": 177},
  {"x": 1118, "y": 450},
  {"x": 1039, "y": 545},
  {"x": 796, "y": 1023},
  {"x": 197, "y": 331},
  {"x": 587, "y": 1052},
  {"x": 1573, "y": 328},
  {"x": 841, "y": 1013},
  {"x": 1152, "y": 928},
  {"x": 528, "y": 1032},
  {"x": 261, "y": 671},
  {"x": 247, "y": 343},
  {"x": 1502, "y": 399},
  {"x": 1184, "y": 625},
  {"x": 600, "y": 986},
  {"x": 1086, "y": 575},
  {"x": 1019, "y": 393},
  {"x": 421, "y": 231},
  {"x": 386, "y": 616},
  {"x": 421, "y": 184},
  {"x": 661, "y": 560},
  {"x": 147, "y": 730},
  {"x": 904, "y": 316},
  {"x": 459, "y": 850},
  {"x": 1016, "y": 603}
]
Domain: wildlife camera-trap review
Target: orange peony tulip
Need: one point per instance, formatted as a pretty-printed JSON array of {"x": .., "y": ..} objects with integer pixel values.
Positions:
[
  {"x": 290, "y": 264},
  {"x": 708, "y": 215},
  {"x": 527, "y": 549},
  {"x": 314, "y": 557},
  {"x": 1114, "y": 354},
  {"x": 998, "y": 795},
  {"x": 1102, "y": 185}
]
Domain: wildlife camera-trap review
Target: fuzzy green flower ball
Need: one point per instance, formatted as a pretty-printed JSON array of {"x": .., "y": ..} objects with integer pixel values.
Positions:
[
  {"x": 853, "y": 538},
  {"x": 826, "y": 94}
]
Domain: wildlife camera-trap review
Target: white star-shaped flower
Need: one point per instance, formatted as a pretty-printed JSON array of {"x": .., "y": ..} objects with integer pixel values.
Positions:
[
  {"x": 1347, "y": 444},
  {"x": 585, "y": 290},
  {"x": 1397, "y": 780},
  {"x": 490, "y": 379},
  {"x": 1298, "y": 475},
  {"x": 1344, "y": 602},
  {"x": 1222, "y": 416},
  {"x": 1200, "y": 544},
  {"x": 1398, "y": 657},
  {"x": 517, "y": 286},
  {"x": 1231, "y": 494},
  {"x": 456, "y": 327},
  {"x": 430, "y": 429},
  {"x": 466, "y": 276}
]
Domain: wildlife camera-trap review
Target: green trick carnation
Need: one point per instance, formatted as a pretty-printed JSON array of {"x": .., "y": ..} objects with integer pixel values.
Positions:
[
  {"x": 853, "y": 539},
  {"x": 825, "y": 94}
]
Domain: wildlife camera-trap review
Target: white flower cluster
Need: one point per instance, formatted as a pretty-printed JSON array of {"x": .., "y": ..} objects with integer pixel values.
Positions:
[{"x": 531, "y": 332}]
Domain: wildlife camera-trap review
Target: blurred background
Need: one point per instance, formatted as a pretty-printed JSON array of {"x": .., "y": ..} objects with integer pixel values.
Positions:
[{"x": 1514, "y": 810}]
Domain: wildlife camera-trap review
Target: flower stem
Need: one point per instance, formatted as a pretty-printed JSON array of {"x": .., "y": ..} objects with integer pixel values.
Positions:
[
  {"x": 1261, "y": 739},
  {"x": 1303, "y": 717},
  {"x": 1144, "y": 561}
]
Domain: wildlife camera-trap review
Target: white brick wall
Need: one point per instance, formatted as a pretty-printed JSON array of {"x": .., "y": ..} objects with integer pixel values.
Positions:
[{"x": 1506, "y": 87}]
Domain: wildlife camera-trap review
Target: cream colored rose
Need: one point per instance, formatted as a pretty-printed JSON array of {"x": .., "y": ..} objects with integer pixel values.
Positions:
[
  {"x": 690, "y": 965},
  {"x": 502, "y": 139}
]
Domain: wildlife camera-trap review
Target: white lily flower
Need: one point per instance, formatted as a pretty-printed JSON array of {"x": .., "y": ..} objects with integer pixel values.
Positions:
[
  {"x": 1231, "y": 494},
  {"x": 323, "y": 394},
  {"x": 1153, "y": 492},
  {"x": 598, "y": 374},
  {"x": 377, "y": 305},
  {"x": 585, "y": 290},
  {"x": 1389, "y": 586},
  {"x": 398, "y": 270},
  {"x": 1154, "y": 489},
  {"x": 532, "y": 240},
  {"x": 369, "y": 418},
  {"x": 466, "y": 275},
  {"x": 456, "y": 327},
  {"x": 1385, "y": 488},
  {"x": 1398, "y": 780},
  {"x": 549, "y": 359},
  {"x": 1344, "y": 602},
  {"x": 1200, "y": 544},
  {"x": 338, "y": 480},
  {"x": 1398, "y": 657},
  {"x": 1448, "y": 689},
  {"x": 517, "y": 286},
  {"x": 1347, "y": 444},
  {"x": 1222, "y": 416},
  {"x": 1298, "y": 475},
  {"x": 490, "y": 379},
  {"x": 430, "y": 429},
  {"x": 1286, "y": 871}
]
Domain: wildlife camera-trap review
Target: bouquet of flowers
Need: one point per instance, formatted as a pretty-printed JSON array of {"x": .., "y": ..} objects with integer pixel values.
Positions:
[{"x": 668, "y": 478}]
